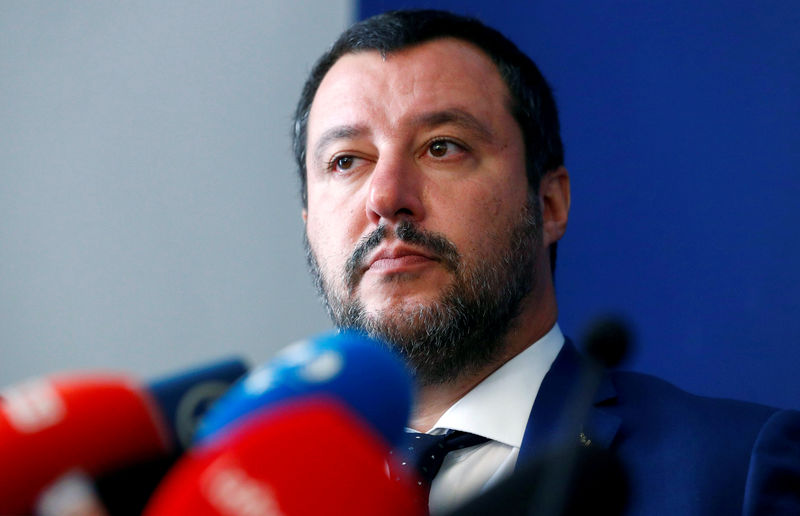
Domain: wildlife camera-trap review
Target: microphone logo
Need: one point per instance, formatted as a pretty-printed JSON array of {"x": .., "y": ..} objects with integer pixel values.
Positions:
[
  {"x": 231, "y": 490},
  {"x": 322, "y": 368},
  {"x": 193, "y": 405},
  {"x": 32, "y": 406}
]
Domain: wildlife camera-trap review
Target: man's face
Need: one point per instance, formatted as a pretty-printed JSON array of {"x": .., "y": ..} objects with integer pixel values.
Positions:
[{"x": 417, "y": 192}]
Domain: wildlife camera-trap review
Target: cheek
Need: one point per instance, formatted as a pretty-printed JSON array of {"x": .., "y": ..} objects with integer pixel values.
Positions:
[
  {"x": 332, "y": 233},
  {"x": 486, "y": 222},
  {"x": 323, "y": 241},
  {"x": 493, "y": 205},
  {"x": 464, "y": 223}
]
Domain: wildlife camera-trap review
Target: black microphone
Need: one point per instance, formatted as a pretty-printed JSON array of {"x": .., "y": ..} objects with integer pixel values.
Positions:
[
  {"x": 608, "y": 341},
  {"x": 184, "y": 398},
  {"x": 572, "y": 478},
  {"x": 596, "y": 483}
]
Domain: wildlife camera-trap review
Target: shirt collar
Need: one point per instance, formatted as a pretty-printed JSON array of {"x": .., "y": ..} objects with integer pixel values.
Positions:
[{"x": 499, "y": 406}]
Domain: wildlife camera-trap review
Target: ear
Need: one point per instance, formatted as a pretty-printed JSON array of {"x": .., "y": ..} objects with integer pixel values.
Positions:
[
  {"x": 305, "y": 215},
  {"x": 554, "y": 198}
]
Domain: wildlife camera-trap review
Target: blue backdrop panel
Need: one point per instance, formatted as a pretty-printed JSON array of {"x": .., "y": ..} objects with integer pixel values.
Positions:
[{"x": 680, "y": 121}]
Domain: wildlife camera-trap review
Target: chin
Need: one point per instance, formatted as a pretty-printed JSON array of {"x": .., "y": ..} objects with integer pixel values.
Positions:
[
  {"x": 393, "y": 308},
  {"x": 387, "y": 301},
  {"x": 400, "y": 287}
]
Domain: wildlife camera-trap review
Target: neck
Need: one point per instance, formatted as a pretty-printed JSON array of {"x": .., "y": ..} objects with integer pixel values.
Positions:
[{"x": 535, "y": 320}]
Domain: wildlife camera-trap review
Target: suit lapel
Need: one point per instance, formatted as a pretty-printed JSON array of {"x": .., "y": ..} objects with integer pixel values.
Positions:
[{"x": 546, "y": 421}]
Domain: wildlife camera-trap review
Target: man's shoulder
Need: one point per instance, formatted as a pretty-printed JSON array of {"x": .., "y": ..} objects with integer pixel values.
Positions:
[
  {"x": 649, "y": 397},
  {"x": 669, "y": 437},
  {"x": 643, "y": 397},
  {"x": 655, "y": 411}
]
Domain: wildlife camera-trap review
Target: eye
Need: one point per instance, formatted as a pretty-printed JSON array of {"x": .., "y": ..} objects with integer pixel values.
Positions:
[
  {"x": 343, "y": 163},
  {"x": 443, "y": 148}
]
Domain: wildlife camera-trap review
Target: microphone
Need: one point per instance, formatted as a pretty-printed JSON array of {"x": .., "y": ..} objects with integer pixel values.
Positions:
[
  {"x": 307, "y": 433},
  {"x": 595, "y": 482},
  {"x": 96, "y": 423},
  {"x": 308, "y": 457},
  {"x": 607, "y": 341},
  {"x": 570, "y": 478},
  {"x": 344, "y": 365},
  {"x": 184, "y": 398},
  {"x": 73, "y": 494}
]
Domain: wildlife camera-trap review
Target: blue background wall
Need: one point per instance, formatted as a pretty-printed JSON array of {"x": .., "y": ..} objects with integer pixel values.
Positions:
[{"x": 681, "y": 122}]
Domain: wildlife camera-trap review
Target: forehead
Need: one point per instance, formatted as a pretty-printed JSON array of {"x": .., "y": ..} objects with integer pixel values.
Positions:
[{"x": 367, "y": 88}]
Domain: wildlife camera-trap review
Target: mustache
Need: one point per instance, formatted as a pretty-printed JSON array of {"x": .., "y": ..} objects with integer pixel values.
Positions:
[{"x": 435, "y": 243}]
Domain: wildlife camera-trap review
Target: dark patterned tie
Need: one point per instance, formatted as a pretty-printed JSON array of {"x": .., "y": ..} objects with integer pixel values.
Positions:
[{"x": 425, "y": 453}]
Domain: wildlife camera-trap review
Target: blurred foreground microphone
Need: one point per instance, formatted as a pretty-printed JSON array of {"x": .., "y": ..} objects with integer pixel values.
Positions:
[
  {"x": 71, "y": 495},
  {"x": 96, "y": 423},
  {"x": 607, "y": 341},
  {"x": 307, "y": 457},
  {"x": 308, "y": 433},
  {"x": 356, "y": 370},
  {"x": 596, "y": 483},
  {"x": 572, "y": 477}
]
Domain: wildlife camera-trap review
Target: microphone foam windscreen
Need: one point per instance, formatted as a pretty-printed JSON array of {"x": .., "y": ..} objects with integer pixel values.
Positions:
[
  {"x": 357, "y": 370},
  {"x": 310, "y": 457}
]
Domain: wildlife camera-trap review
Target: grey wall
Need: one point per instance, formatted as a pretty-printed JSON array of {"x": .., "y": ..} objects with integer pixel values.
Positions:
[{"x": 148, "y": 210}]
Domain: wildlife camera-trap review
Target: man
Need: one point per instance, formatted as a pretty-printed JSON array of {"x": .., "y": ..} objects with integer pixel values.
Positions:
[{"x": 434, "y": 195}]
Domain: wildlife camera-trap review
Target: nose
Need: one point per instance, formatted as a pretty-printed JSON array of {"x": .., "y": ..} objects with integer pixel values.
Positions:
[{"x": 395, "y": 191}]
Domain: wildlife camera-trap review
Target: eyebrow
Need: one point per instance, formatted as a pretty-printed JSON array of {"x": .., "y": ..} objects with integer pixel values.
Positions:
[
  {"x": 457, "y": 117},
  {"x": 339, "y": 132}
]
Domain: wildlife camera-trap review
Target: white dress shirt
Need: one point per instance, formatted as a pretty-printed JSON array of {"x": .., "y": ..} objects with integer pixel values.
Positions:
[{"x": 497, "y": 408}]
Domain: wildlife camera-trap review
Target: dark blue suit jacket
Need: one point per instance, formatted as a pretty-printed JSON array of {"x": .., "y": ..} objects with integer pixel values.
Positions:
[{"x": 685, "y": 454}]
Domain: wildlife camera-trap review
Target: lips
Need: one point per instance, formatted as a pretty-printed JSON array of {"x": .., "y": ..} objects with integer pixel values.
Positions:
[{"x": 398, "y": 257}]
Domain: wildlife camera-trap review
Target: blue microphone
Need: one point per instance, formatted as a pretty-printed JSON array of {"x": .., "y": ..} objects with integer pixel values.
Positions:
[{"x": 347, "y": 366}]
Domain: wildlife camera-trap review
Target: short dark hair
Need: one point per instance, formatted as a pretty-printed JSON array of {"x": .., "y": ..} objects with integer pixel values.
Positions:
[{"x": 532, "y": 103}]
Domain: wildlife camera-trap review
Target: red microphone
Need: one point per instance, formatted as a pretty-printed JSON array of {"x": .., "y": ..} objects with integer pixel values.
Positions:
[
  {"x": 96, "y": 424},
  {"x": 71, "y": 495},
  {"x": 310, "y": 456},
  {"x": 44, "y": 425}
]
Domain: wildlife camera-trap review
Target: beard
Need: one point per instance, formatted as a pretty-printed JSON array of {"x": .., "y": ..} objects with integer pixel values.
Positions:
[{"x": 464, "y": 329}]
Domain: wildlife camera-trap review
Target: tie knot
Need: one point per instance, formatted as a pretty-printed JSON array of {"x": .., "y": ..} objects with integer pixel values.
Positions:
[{"x": 425, "y": 452}]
